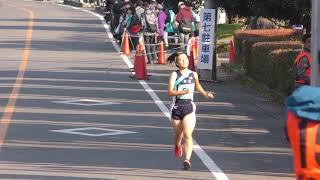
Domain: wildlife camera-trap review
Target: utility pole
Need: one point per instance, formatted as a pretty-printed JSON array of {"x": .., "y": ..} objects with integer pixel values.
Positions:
[
  {"x": 207, "y": 67},
  {"x": 315, "y": 43}
]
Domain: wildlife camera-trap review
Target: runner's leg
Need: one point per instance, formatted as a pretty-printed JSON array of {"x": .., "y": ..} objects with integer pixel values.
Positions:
[
  {"x": 177, "y": 127},
  {"x": 188, "y": 123}
]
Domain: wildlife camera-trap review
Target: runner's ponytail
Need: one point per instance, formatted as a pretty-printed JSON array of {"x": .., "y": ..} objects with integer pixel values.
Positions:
[{"x": 174, "y": 57}]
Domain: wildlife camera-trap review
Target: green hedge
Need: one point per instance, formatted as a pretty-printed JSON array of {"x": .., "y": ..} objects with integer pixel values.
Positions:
[
  {"x": 283, "y": 60},
  {"x": 243, "y": 40},
  {"x": 262, "y": 63},
  {"x": 268, "y": 56}
]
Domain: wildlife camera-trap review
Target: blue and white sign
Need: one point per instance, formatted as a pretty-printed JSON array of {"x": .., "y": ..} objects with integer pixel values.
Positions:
[{"x": 206, "y": 38}]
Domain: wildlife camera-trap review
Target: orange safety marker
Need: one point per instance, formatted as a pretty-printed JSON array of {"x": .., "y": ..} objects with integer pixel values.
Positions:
[
  {"x": 140, "y": 67},
  {"x": 161, "y": 55},
  {"x": 125, "y": 45},
  {"x": 192, "y": 56},
  {"x": 231, "y": 53}
]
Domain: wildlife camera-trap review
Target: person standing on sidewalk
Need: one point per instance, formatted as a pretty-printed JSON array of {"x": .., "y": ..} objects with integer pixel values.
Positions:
[
  {"x": 181, "y": 87},
  {"x": 185, "y": 19},
  {"x": 134, "y": 28},
  {"x": 302, "y": 64},
  {"x": 150, "y": 29},
  {"x": 161, "y": 21},
  {"x": 169, "y": 29}
]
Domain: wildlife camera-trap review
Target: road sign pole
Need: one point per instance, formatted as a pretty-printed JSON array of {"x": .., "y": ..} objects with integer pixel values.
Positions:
[
  {"x": 315, "y": 43},
  {"x": 207, "y": 74}
]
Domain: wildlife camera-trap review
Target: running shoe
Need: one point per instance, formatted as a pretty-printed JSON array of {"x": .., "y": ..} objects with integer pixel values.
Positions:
[
  {"x": 178, "y": 151},
  {"x": 186, "y": 165}
]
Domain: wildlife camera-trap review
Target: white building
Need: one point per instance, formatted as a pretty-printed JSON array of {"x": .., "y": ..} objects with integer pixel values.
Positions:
[{"x": 222, "y": 16}]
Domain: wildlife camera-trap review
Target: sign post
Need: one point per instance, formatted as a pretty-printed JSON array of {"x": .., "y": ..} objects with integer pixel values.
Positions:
[
  {"x": 315, "y": 43},
  {"x": 207, "y": 43}
]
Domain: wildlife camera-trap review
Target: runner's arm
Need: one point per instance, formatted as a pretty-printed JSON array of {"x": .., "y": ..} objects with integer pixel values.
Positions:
[{"x": 199, "y": 87}]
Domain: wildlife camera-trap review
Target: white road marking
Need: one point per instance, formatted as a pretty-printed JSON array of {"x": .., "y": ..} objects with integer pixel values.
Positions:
[
  {"x": 79, "y": 131},
  {"x": 86, "y": 102},
  {"x": 208, "y": 162}
]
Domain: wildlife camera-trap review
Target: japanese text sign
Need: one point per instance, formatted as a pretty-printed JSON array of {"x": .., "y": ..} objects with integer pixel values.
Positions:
[{"x": 206, "y": 38}]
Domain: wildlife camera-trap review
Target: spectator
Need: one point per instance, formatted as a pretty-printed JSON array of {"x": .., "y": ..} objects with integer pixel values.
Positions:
[
  {"x": 185, "y": 19},
  {"x": 302, "y": 64},
  {"x": 153, "y": 5},
  {"x": 116, "y": 11},
  {"x": 170, "y": 30},
  {"x": 161, "y": 21},
  {"x": 195, "y": 24},
  {"x": 139, "y": 8},
  {"x": 149, "y": 24},
  {"x": 124, "y": 20},
  {"x": 134, "y": 27}
]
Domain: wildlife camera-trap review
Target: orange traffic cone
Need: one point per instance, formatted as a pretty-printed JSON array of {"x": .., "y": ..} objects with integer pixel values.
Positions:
[
  {"x": 196, "y": 53},
  {"x": 191, "y": 58},
  {"x": 161, "y": 55},
  {"x": 231, "y": 53},
  {"x": 125, "y": 45},
  {"x": 195, "y": 49},
  {"x": 140, "y": 67}
]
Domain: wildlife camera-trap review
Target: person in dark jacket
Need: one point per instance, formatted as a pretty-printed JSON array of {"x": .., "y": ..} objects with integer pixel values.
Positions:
[
  {"x": 116, "y": 11},
  {"x": 150, "y": 29},
  {"x": 134, "y": 27},
  {"x": 185, "y": 19}
]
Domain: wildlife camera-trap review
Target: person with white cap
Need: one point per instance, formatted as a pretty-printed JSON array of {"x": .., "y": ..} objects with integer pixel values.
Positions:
[
  {"x": 180, "y": 3},
  {"x": 185, "y": 19}
]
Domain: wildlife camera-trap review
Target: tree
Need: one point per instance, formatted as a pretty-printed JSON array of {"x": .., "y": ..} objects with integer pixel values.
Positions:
[{"x": 297, "y": 11}]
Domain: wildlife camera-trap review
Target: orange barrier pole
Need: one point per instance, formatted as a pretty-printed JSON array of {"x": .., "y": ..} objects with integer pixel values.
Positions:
[
  {"x": 191, "y": 58},
  {"x": 161, "y": 55},
  {"x": 231, "y": 53}
]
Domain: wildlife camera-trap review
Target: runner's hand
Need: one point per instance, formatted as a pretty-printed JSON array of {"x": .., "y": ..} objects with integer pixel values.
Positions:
[
  {"x": 210, "y": 95},
  {"x": 187, "y": 91}
]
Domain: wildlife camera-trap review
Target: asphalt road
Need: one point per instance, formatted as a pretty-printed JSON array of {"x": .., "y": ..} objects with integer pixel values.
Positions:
[{"x": 70, "y": 111}]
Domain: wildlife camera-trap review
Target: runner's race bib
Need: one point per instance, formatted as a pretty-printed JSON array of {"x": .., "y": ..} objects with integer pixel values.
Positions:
[{"x": 185, "y": 87}]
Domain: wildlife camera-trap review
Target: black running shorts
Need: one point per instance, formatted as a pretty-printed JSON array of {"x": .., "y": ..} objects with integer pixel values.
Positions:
[{"x": 179, "y": 111}]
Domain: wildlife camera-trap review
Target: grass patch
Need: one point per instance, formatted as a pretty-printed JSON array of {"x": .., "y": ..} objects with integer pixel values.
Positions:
[
  {"x": 260, "y": 89},
  {"x": 223, "y": 48},
  {"x": 226, "y": 30}
]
